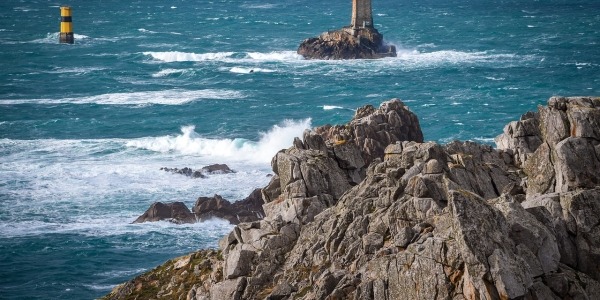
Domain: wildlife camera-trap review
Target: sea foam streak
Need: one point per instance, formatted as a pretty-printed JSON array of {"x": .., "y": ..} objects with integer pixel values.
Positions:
[
  {"x": 167, "y": 97},
  {"x": 241, "y": 70},
  {"x": 190, "y": 143},
  {"x": 175, "y": 56},
  {"x": 414, "y": 58}
]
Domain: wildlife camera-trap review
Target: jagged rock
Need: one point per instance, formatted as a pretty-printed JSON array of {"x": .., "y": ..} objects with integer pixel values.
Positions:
[
  {"x": 559, "y": 146},
  {"x": 175, "y": 212},
  {"x": 246, "y": 210},
  {"x": 185, "y": 171},
  {"x": 459, "y": 221},
  {"x": 210, "y": 169},
  {"x": 366, "y": 43},
  {"x": 372, "y": 130}
]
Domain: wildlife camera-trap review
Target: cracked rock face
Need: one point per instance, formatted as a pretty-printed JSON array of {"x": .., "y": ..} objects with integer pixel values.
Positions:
[{"x": 425, "y": 221}]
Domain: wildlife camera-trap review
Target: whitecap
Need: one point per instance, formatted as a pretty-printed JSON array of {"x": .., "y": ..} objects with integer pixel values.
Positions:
[
  {"x": 146, "y": 30},
  {"x": 167, "y": 72},
  {"x": 189, "y": 142},
  {"x": 166, "y": 97},
  {"x": 330, "y": 107},
  {"x": 241, "y": 70},
  {"x": 275, "y": 56},
  {"x": 176, "y": 56}
]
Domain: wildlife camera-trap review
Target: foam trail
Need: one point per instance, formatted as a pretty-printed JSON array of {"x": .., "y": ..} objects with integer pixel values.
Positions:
[
  {"x": 415, "y": 58},
  {"x": 167, "y": 72},
  {"x": 275, "y": 56},
  {"x": 330, "y": 107},
  {"x": 190, "y": 143},
  {"x": 241, "y": 70},
  {"x": 176, "y": 56},
  {"x": 168, "y": 97}
]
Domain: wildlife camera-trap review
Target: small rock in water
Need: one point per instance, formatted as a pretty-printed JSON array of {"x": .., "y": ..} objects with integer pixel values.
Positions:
[
  {"x": 185, "y": 171},
  {"x": 217, "y": 169},
  {"x": 175, "y": 212}
]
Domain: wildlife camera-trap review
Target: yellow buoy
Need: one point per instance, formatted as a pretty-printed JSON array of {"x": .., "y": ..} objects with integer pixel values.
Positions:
[{"x": 66, "y": 26}]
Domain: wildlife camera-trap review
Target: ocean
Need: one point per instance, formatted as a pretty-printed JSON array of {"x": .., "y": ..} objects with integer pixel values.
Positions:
[{"x": 85, "y": 128}]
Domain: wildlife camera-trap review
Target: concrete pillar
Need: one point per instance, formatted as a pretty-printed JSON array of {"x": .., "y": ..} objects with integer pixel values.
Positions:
[{"x": 361, "y": 14}]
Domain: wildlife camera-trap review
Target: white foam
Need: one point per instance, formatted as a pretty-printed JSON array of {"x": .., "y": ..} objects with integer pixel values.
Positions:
[
  {"x": 241, "y": 70},
  {"x": 98, "y": 187},
  {"x": 167, "y": 97},
  {"x": 275, "y": 56},
  {"x": 52, "y": 38},
  {"x": 176, "y": 56},
  {"x": 146, "y": 30},
  {"x": 167, "y": 72},
  {"x": 448, "y": 57},
  {"x": 330, "y": 107},
  {"x": 239, "y": 149}
]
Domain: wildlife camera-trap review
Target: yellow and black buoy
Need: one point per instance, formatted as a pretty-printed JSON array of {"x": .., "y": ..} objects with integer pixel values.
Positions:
[{"x": 66, "y": 26}]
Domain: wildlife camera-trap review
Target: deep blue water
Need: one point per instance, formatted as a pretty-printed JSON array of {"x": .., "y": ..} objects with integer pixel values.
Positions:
[{"x": 85, "y": 128}]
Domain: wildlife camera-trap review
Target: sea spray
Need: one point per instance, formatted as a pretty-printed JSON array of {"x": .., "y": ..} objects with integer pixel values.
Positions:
[{"x": 239, "y": 149}]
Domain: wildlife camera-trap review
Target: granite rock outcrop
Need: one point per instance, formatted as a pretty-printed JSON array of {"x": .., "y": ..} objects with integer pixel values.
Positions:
[
  {"x": 427, "y": 221},
  {"x": 343, "y": 44}
]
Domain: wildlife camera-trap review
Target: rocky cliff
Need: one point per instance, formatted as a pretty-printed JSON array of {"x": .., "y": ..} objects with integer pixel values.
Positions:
[{"x": 422, "y": 221}]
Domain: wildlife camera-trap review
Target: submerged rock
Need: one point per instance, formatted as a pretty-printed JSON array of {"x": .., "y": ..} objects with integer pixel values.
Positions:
[{"x": 428, "y": 221}]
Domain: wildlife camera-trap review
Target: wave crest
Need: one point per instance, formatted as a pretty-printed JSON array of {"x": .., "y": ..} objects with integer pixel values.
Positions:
[
  {"x": 168, "y": 97},
  {"x": 176, "y": 56},
  {"x": 191, "y": 143}
]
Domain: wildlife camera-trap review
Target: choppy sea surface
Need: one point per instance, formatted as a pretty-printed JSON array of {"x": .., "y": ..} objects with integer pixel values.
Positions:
[{"x": 85, "y": 128}]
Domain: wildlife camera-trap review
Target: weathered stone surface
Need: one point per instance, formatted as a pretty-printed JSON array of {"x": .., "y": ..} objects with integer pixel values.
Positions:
[
  {"x": 175, "y": 212},
  {"x": 559, "y": 146},
  {"x": 246, "y": 210},
  {"x": 367, "y": 43},
  {"x": 459, "y": 221}
]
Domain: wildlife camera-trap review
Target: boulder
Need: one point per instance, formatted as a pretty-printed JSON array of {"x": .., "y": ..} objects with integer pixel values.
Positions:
[{"x": 175, "y": 212}]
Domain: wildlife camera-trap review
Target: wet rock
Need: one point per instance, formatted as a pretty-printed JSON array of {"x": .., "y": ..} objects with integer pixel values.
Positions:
[
  {"x": 185, "y": 171},
  {"x": 175, "y": 212},
  {"x": 246, "y": 210},
  {"x": 217, "y": 169},
  {"x": 210, "y": 169}
]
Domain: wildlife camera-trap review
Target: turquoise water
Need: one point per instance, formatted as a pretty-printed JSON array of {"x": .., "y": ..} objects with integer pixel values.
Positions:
[{"x": 85, "y": 128}]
